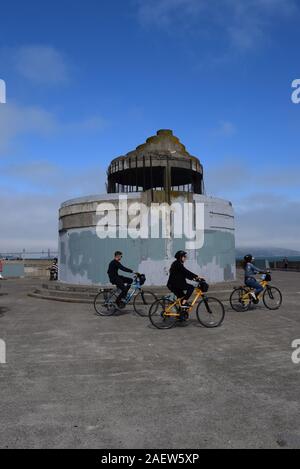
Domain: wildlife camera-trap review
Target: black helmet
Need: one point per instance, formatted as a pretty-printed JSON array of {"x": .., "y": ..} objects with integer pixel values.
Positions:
[
  {"x": 248, "y": 258},
  {"x": 180, "y": 254}
]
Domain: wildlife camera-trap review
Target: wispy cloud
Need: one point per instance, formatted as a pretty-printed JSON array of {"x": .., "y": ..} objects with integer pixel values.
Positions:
[
  {"x": 237, "y": 176},
  {"x": 41, "y": 64},
  {"x": 243, "y": 25},
  {"x": 224, "y": 129},
  {"x": 17, "y": 120},
  {"x": 42, "y": 175},
  {"x": 164, "y": 13}
]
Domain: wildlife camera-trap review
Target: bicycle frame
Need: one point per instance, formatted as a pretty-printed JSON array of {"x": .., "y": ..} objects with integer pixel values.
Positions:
[
  {"x": 134, "y": 287},
  {"x": 198, "y": 294},
  {"x": 131, "y": 292},
  {"x": 246, "y": 296}
]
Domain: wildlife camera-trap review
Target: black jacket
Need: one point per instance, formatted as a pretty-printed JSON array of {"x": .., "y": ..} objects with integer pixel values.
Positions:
[
  {"x": 113, "y": 268},
  {"x": 178, "y": 275}
]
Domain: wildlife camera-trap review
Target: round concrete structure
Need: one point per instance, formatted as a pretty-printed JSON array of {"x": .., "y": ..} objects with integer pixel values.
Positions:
[
  {"x": 84, "y": 256},
  {"x": 162, "y": 172}
]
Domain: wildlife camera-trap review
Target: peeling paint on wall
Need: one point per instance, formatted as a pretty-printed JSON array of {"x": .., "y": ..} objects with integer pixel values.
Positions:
[{"x": 84, "y": 257}]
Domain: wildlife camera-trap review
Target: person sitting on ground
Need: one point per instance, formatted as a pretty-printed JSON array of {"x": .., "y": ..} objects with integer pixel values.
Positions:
[
  {"x": 54, "y": 270},
  {"x": 123, "y": 283},
  {"x": 177, "y": 283},
  {"x": 250, "y": 281}
]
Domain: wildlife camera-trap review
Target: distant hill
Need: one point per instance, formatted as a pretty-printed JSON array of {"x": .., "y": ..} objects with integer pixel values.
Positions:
[{"x": 266, "y": 252}]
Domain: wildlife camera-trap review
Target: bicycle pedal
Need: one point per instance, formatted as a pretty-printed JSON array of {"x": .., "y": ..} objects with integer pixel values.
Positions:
[{"x": 183, "y": 316}]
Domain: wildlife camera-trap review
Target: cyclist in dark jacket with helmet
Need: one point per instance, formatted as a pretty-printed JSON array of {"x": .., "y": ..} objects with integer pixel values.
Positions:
[{"x": 177, "y": 283}]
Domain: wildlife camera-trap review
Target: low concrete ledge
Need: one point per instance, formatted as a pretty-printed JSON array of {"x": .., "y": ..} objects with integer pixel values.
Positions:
[{"x": 56, "y": 291}]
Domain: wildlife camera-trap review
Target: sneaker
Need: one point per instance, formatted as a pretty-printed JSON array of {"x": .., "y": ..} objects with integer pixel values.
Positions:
[
  {"x": 254, "y": 298},
  {"x": 186, "y": 306}
]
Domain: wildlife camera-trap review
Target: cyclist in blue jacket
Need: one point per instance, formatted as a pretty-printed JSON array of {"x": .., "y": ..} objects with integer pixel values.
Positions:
[{"x": 250, "y": 271}]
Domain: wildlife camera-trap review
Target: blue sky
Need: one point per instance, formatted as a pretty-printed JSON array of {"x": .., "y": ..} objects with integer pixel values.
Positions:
[{"x": 88, "y": 81}]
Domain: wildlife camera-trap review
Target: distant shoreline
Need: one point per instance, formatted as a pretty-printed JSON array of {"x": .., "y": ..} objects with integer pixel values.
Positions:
[{"x": 273, "y": 258}]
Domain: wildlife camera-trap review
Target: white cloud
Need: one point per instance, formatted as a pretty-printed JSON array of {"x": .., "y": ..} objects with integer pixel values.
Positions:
[
  {"x": 17, "y": 120},
  {"x": 41, "y": 64},
  {"x": 266, "y": 202},
  {"x": 30, "y": 219},
  {"x": 268, "y": 220},
  {"x": 28, "y": 222}
]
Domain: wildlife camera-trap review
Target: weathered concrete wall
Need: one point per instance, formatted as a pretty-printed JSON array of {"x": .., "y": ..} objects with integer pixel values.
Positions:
[
  {"x": 37, "y": 267},
  {"x": 12, "y": 269},
  {"x": 84, "y": 257}
]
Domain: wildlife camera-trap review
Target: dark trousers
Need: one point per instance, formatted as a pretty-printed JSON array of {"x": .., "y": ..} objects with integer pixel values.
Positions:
[
  {"x": 124, "y": 284},
  {"x": 53, "y": 274},
  {"x": 180, "y": 292}
]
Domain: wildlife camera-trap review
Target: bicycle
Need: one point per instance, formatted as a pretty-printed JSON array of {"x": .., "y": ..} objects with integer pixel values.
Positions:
[
  {"x": 164, "y": 313},
  {"x": 241, "y": 297},
  {"x": 105, "y": 301}
]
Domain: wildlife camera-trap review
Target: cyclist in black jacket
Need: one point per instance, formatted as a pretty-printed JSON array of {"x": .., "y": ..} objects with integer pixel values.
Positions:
[
  {"x": 121, "y": 282},
  {"x": 177, "y": 279}
]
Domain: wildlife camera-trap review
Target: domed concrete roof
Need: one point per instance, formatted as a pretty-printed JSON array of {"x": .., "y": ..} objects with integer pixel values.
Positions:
[{"x": 161, "y": 162}]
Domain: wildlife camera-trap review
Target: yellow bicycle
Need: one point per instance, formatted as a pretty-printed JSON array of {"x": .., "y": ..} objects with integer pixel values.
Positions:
[
  {"x": 164, "y": 313},
  {"x": 242, "y": 297}
]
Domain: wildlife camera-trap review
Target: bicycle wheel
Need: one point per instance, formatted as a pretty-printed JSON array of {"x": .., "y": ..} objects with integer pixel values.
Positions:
[
  {"x": 272, "y": 298},
  {"x": 159, "y": 317},
  {"x": 210, "y": 312},
  {"x": 240, "y": 300},
  {"x": 104, "y": 303},
  {"x": 142, "y": 302}
]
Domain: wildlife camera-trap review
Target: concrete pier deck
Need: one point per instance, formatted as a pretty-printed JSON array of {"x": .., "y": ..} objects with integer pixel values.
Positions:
[{"x": 75, "y": 380}]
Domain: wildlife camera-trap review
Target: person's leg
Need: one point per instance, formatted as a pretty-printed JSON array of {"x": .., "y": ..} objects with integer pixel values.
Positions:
[
  {"x": 178, "y": 293},
  {"x": 258, "y": 288},
  {"x": 124, "y": 284},
  {"x": 120, "y": 284},
  {"x": 189, "y": 292},
  {"x": 180, "y": 296},
  {"x": 252, "y": 283}
]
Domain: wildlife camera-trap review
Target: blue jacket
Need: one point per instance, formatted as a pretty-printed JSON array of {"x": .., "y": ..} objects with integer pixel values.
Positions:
[{"x": 251, "y": 270}]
